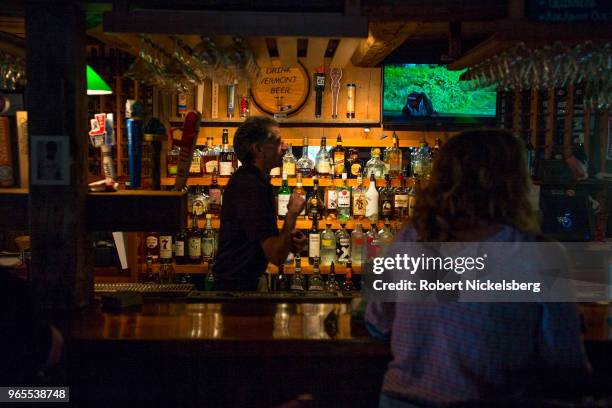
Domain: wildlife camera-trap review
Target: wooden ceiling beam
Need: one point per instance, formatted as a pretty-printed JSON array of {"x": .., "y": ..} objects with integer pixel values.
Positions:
[
  {"x": 343, "y": 53},
  {"x": 243, "y": 23},
  {"x": 382, "y": 40},
  {"x": 287, "y": 51}
]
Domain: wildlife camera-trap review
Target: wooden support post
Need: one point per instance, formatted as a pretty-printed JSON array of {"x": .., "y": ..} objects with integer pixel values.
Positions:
[{"x": 62, "y": 261}]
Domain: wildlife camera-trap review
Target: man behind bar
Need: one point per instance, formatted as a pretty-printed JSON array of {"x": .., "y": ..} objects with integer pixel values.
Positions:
[{"x": 249, "y": 237}]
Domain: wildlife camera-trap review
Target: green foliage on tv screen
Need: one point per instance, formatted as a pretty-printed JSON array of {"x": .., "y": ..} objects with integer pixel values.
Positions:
[{"x": 442, "y": 86}]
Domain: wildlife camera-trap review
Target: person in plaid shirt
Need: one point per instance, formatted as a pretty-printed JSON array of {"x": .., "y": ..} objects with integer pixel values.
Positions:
[{"x": 485, "y": 354}]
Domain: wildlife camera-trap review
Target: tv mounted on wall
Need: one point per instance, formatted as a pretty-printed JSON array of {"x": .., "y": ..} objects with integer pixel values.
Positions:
[{"x": 431, "y": 96}]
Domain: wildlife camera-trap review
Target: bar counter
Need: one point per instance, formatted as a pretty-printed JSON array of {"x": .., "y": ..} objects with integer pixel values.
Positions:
[{"x": 229, "y": 354}]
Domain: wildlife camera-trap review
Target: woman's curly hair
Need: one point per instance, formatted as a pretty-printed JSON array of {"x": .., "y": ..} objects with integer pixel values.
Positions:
[{"x": 479, "y": 176}]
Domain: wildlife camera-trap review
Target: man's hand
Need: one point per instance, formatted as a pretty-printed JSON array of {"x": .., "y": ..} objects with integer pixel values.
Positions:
[
  {"x": 298, "y": 241},
  {"x": 296, "y": 204}
]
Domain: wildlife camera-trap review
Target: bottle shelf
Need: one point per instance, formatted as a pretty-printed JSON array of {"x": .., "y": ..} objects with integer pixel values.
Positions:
[
  {"x": 304, "y": 223},
  {"x": 277, "y": 181},
  {"x": 202, "y": 268}
]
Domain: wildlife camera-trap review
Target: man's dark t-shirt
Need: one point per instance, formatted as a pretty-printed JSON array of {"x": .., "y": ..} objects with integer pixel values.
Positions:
[{"x": 248, "y": 217}]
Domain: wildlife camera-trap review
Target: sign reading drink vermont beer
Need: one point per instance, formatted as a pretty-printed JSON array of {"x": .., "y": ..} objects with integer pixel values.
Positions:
[{"x": 281, "y": 90}]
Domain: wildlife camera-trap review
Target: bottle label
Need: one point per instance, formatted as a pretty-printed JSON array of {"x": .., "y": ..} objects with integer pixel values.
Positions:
[
  {"x": 283, "y": 200},
  {"x": 214, "y": 196},
  {"x": 315, "y": 287},
  {"x": 359, "y": 204},
  {"x": 344, "y": 199},
  {"x": 226, "y": 168},
  {"x": 208, "y": 247},
  {"x": 195, "y": 247},
  {"x": 338, "y": 163},
  {"x": 343, "y": 250},
  {"x": 172, "y": 169},
  {"x": 371, "y": 208},
  {"x": 276, "y": 171},
  {"x": 289, "y": 168},
  {"x": 356, "y": 169},
  {"x": 296, "y": 286},
  {"x": 165, "y": 246},
  {"x": 211, "y": 166},
  {"x": 198, "y": 206},
  {"x": 327, "y": 243},
  {"x": 180, "y": 248},
  {"x": 195, "y": 168},
  {"x": 314, "y": 245},
  {"x": 401, "y": 201},
  {"x": 332, "y": 199},
  {"x": 411, "y": 203},
  {"x": 151, "y": 241},
  {"x": 323, "y": 166},
  {"x": 305, "y": 171},
  {"x": 387, "y": 208}
]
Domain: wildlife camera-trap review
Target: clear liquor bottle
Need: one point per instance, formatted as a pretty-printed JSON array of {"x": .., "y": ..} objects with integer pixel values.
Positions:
[
  {"x": 343, "y": 245},
  {"x": 227, "y": 157},
  {"x": 360, "y": 202},
  {"x": 332, "y": 284},
  {"x": 298, "y": 282},
  {"x": 323, "y": 162},
  {"x": 315, "y": 283},
  {"x": 305, "y": 166},
  {"x": 357, "y": 244},
  {"x": 208, "y": 241},
  {"x": 375, "y": 166},
  {"x": 314, "y": 240},
  {"x": 421, "y": 165},
  {"x": 338, "y": 155},
  {"x": 284, "y": 194},
  {"x": 393, "y": 157},
  {"x": 328, "y": 245},
  {"x": 385, "y": 237},
  {"x": 386, "y": 199},
  {"x": 314, "y": 202},
  {"x": 372, "y": 197},
  {"x": 289, "y": 162},
  {"x": 344, "y": 200}
]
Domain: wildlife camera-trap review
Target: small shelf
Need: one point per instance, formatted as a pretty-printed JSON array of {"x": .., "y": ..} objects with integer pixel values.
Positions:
[
  {"x": 195, "y": 269},
  {"x": 289, "y": 122},
  {"x": 277, "y": 181},
  {"x": 304, "y": 223}
]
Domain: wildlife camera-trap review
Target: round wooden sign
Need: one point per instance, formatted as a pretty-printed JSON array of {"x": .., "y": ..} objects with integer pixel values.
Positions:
[{"x": 281, "y": 90}]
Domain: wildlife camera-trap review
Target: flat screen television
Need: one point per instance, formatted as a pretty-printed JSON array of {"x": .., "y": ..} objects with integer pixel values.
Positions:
[{"x": 430, "y": 96}]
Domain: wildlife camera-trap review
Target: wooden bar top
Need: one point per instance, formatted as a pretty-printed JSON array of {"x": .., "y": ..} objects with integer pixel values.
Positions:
[{"x": 228, "y": 328}]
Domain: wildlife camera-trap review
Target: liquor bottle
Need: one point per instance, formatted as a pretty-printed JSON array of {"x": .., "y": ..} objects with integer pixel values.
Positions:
[
  {"x": 338, "y": 155},
  {"x": 386, "y": 199},
  {"x": 289, "y": 162},
  {"x": 165, "y": 248},
  {"x": 355, "y": 164},
  {"x": 314, "y": 240},
  {"x": 314, "y": 202},
  {"x": 357, "y": 243},
  {"x": 298, "y": 283},
  {"x": 375, "y": 166},
  {"x": 208, "y": 241},
  {"x": 282, "y": 281},
  {"x": 209, "y": 282},
  {"x": 166, "y": 273},
  {"x": 331, "y": 201},
  {"x": 372, "y": 200},
  {"x": 300, "y": 191},
  {"x": 348, "y": 285},
  {"x": 305, "y": 166},
  {"x": 149, "y": 276},
  {"x": 400, "y": 200},
  {"x": 195, "y": 168},
  {"x": 343, "y": 245},
  {"x": 328, "y": 245},
  {"x": 284, "y": 194},
  {"x": 180, "y": 257},
  {"x": 152, "y": 246},
  {"x": 421, "y": 162},
  {"x": 211, "y": 158},
  {"x": 226, "y": 158},
  {"x": 214, "y": 195},
  {"x": 323, "y": 165},
  {"x": 385, "y": 237},
  {"x": 172, "y": 161},
  {"x": 393, "y": 157},
  {"x": 199, "y": 202},
  {"x": 371, "y": 239},
  {"x": 360, "y": 201},
  {"x": 344, "y": 200},
  {"x": 332, "y": 284},
  {"x": 436, "y": 148},
  {"x": 194, "y": 242},
  {"x": 412, "y": 196},
  {"x": 275, "y": 172},
  {"x": 315, "y": 282}
]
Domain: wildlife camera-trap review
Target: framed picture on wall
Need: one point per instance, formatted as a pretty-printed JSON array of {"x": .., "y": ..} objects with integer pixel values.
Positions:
[{"x": 50, "y": 157}]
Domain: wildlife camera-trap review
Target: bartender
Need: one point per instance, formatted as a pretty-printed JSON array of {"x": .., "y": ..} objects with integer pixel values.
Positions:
[{"x": 249, "y": 237}]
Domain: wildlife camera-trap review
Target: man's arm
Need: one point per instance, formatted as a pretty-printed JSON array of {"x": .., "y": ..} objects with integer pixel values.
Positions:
[{"x": 277, "y": 248}]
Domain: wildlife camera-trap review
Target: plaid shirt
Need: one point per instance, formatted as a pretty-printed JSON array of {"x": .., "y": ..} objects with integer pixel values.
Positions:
[{"x": 458, "y": 352}]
